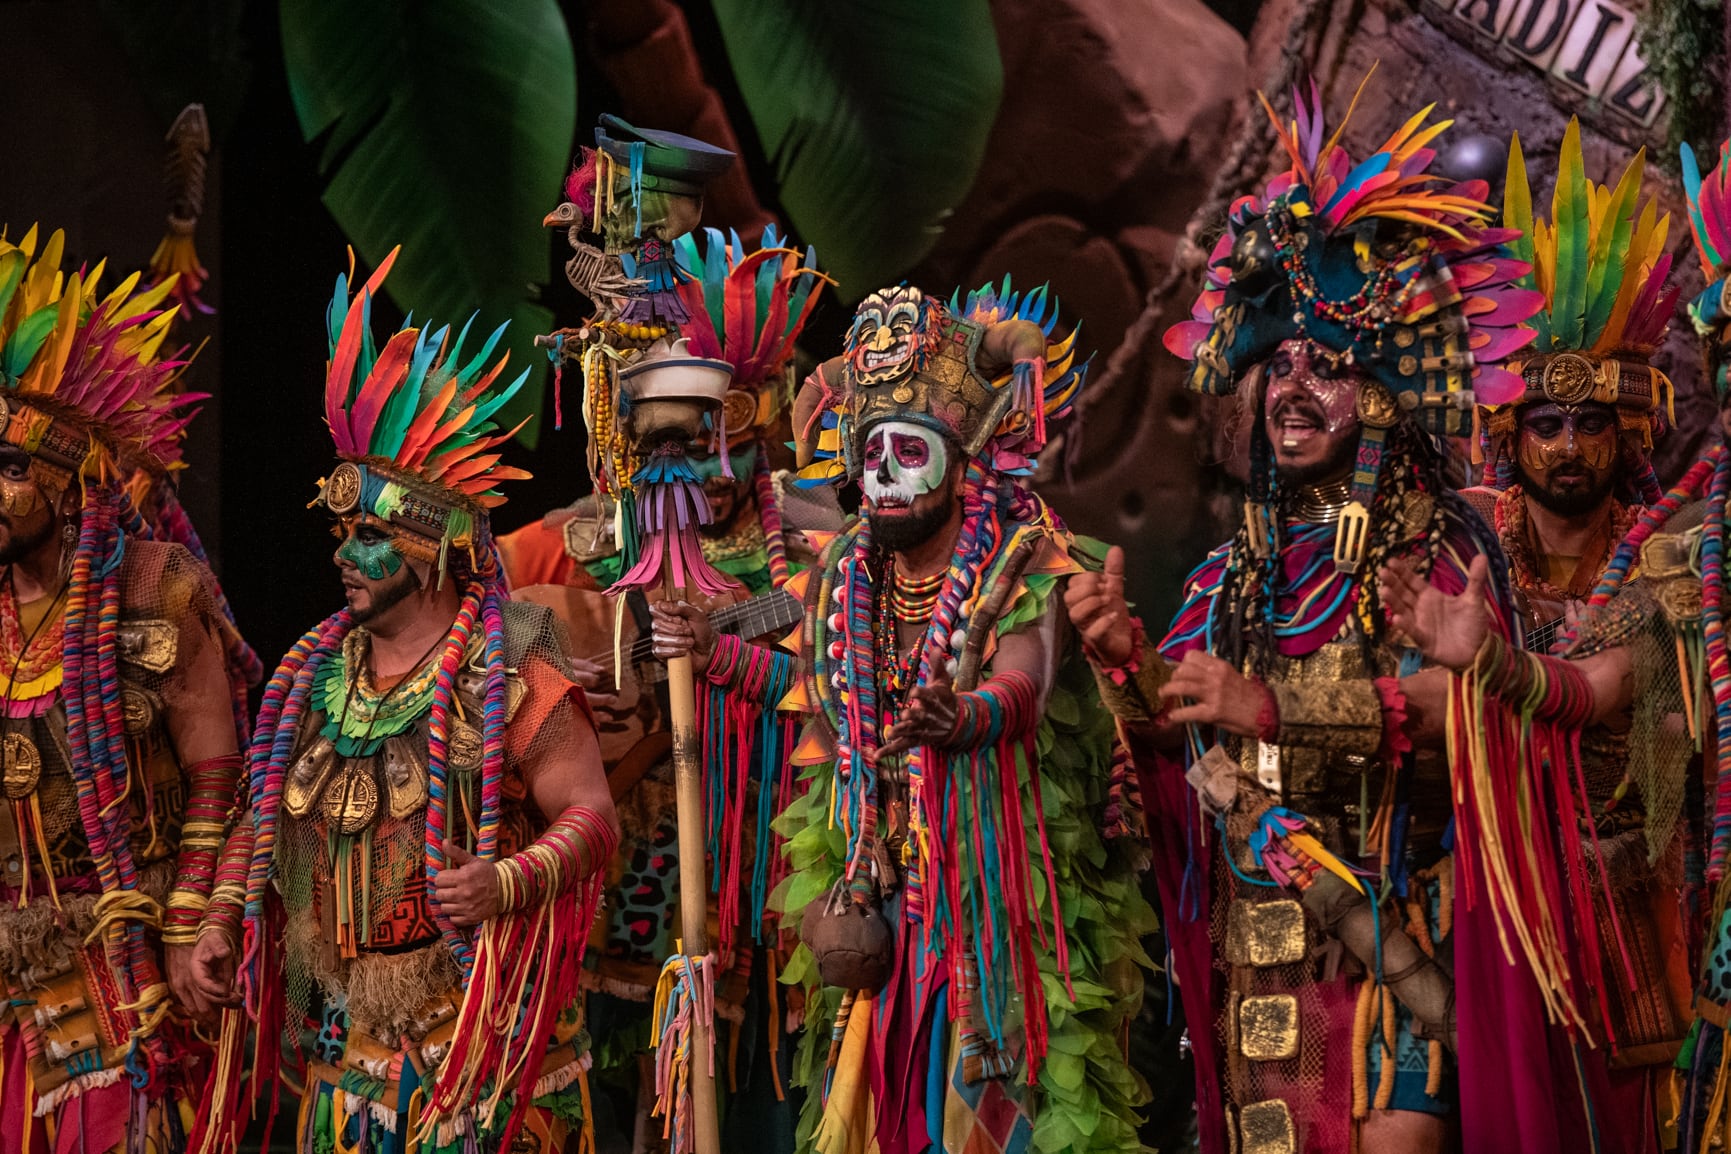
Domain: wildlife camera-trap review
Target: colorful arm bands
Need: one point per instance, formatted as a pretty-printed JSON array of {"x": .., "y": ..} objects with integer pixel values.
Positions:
[
  {"x": 579, "y": 842},
  {"x": 749, "y": 671},
  {"x": 1003, "y": 706},
  {"x": 210, "y": 800},
  {"x": 228, "y": 898},
  {"x": 1544, "y": 688}
]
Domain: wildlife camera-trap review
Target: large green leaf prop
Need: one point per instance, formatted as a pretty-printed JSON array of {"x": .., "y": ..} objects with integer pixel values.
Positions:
[
  {"x": 875, "y": 117},
  {"x": 447, "y": 127}
]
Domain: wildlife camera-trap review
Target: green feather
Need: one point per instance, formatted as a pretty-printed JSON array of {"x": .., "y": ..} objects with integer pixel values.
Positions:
[
  {"x": 27, "y": 341},
  {"x": 1570, "y": 217},
  {"x": 1610, "y": 257},
  {"x": 1518, "y": 214}
]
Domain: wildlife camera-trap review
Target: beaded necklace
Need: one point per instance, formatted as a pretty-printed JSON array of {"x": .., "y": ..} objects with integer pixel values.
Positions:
[
  {"x": 914, "y": 599},
  {"x": 1515, "y": 529}
]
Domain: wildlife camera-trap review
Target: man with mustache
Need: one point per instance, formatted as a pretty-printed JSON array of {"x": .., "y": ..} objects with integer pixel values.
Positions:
[
  {"x": 971, "y": 926},
  {"x": 1310, "y": 836},
  {"x": 1566, "y": 474},
  {"x": 399, "y": 920},
  {"x": 122, "y": 709}
]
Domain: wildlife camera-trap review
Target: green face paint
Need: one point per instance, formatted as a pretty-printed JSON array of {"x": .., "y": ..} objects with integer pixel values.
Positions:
[
  {"x": 706, "y": 464},
  {"x": 376, "y": 560}
]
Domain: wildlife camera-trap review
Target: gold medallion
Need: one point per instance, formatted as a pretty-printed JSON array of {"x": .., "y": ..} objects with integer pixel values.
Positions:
[
  {"x": 351, "y": 803},
  {"x": 136, "y": 709},
  {"x": 466, "y": 749},
  {"x": 343, "y": 490},
  {"x": 1681, "y": 599},
  {"x": 1376, "y": 405},
  {"x": 22, "y": 764},
  {"x": 1569, "y": 378},
  {"x": 901, "y": 395}
]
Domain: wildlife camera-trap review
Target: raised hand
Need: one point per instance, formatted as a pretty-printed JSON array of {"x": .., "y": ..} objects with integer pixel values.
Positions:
[
  {"x": 679, "y": 629},
  {"x": 1447, "y": 630},
  {"x": 928, "y": 718},
  {"x": 1099, "y": 612},
  {"x": 1211, "y": 692},
  {"x": 468, "y": 888}
]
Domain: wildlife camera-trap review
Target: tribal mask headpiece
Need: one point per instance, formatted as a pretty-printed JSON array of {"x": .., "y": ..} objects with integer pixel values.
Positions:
[
  {"x": 1600, "y": 266},
  {"x": 911, "y": 357},
  {"x": 1376, "y": 268},
  {"x": 413, "y": 424},
  {"x": 87, "y": 390}
]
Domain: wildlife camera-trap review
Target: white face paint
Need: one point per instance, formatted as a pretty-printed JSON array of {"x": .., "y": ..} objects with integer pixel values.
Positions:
[{"x": 902, "y": 460}]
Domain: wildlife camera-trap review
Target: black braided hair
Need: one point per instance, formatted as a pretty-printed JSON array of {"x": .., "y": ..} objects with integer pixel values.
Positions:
[{"x": 1243, "y": 616}]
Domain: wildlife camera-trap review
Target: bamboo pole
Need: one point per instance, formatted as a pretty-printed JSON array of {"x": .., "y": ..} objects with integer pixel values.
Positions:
[{"x": 693, "y": 880}]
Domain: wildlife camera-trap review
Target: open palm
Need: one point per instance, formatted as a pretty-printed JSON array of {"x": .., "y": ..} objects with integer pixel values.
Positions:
[{"x": 1447, "y": 630}]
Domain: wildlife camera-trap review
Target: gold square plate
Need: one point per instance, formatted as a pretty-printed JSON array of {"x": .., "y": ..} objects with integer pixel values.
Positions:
[
  {"x": 1266, "y": 1128},
  {"x": 1268, "y": 1027},
  {"x": 1265, "y": 933}
]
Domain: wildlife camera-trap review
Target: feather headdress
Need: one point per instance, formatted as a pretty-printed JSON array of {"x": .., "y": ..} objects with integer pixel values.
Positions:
[
  {"x": 87, "y": 384},
  {"x": 747, "y": 309},
  {"x": 1600, "y": 266},
  {"x": 1710, "y": 222},
  {"x": 1379, "y": 261},
  {"x": 1600, "y": 261},
  {"x": 414, "y": 422}
]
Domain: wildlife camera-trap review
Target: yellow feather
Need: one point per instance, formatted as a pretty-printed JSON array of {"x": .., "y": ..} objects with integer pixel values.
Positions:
[
  {"x": 113, "y": 299},
  {"x": 1350, "y": 108},
  {"x": 1640, "y": 242},
  {"x": 43, "y": 375},
  {"x": 1407, "y": 129},
  {"x": 1422, "y": 139}
]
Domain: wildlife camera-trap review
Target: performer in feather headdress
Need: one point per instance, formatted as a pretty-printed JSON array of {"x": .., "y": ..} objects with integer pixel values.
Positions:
[
  {"x": 971, "y": 936},
  {"x": 1650, "y": 653},
  {"x": 122, "y": 714},
  {"x": 1566, "y": 465},
  {"x": 1567, "y": 472},
  {"x": 407, "y": 902},
  {"x": 1361, "y": 308}
]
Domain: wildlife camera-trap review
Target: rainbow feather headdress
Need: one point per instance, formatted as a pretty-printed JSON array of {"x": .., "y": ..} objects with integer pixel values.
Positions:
[
  {"x": 1376, "y": 263},
  {"x": 87, "y": 388},
  {"x": 1710, "y": 222},
  {"x": 912, "y": 357},
  {"x": 1601, "y": 265},
  {"x": 413, "y": 424},
  {"x": 747, "y": 310}
]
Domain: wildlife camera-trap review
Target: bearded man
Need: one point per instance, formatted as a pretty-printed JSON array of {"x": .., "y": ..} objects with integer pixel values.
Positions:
[
  {"x": 121, "y": 715},
  {"x": 403, "y": 912},
  {"x": 1308, "y": 830},
  {"x": 1566, "y": 464},
  {"x": 951, "y": 731}
]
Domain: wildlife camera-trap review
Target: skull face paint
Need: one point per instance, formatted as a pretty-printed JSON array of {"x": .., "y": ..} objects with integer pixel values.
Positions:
[
  {"x": 1310, "y": 413},
  {"x": 888, "y": 335},
  {"x": 1567, "y": 455},
  {"x": 902, "y": 461}
]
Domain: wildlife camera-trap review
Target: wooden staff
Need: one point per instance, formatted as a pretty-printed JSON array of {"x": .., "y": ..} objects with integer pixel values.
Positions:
[{"x": 693, "y": 876}]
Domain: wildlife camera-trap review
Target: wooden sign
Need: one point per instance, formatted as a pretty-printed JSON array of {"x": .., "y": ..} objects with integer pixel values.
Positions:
[{"x": 1587, "y": 49}]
